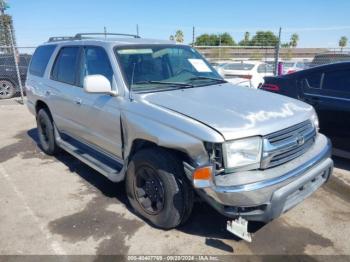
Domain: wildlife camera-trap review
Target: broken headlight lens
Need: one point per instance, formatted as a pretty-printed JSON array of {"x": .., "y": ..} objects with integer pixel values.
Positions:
[{"x": 243, "y": 152}]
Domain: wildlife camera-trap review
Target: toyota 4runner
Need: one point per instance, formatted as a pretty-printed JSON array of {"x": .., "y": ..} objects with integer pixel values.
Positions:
[{"x": 157, "y": 115}]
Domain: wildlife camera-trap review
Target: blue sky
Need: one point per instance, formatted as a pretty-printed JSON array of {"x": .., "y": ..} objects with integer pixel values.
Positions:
[{"x": 319, "y": 23}]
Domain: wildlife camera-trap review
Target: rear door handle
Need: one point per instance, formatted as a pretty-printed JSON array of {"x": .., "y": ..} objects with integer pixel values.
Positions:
[{"x": 78, "y": 101}]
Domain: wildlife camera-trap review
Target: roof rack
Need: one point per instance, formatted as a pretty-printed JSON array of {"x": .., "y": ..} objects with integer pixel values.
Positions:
[
  {"x": 60, "y": 38},
  {"x": 81, "y": 36}
]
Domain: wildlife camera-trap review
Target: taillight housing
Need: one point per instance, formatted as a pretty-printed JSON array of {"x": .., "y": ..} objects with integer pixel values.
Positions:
[{"x": 270, "y": 87}]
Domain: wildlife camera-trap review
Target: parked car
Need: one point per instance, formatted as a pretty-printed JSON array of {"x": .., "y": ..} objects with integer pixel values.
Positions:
[
  {"x": 293, "y": 66},
  {"x": 9, "y": 85},
  {"x": 251, "y": 70},
  {"x": 330, "y": 58},
  {"x": 326, "y": 88},
  {"x": 219, "y": 63},
  {"x": 157, "y": 115}
]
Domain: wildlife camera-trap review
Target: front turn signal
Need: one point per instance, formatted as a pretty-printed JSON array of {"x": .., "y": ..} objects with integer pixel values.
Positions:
[{"x": 202, "y": 177}]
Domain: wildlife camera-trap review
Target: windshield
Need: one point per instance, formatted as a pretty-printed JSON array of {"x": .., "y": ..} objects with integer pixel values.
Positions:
[{"x": 155, "y": 67}]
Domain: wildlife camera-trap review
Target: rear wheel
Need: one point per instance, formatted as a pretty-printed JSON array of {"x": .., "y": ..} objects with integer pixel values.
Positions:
[
  {"x": 7, "y": 89},
  {"x": 157, "y": 188},
  {"x": 46, "y": 132}
]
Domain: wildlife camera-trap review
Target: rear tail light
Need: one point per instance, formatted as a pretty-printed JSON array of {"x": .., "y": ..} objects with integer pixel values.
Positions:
[
  {"x": 270, "y": 87},
  {"x": 291, "y": 71}
]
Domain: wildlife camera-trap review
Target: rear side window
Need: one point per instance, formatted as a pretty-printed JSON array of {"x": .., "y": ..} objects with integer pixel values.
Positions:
[
  {"x": 65, "y": 67},
  {"x": 265, "y": 68},
  {"x": 40, "y": 60},
  {"x": 337, "y": 81},
  {"x": 313, "y": 80}
]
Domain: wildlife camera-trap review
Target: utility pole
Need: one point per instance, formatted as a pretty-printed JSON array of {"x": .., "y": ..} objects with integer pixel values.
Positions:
[
  {"x": 105, "y": 31},
  {"x": 3, "y": 7},
  {"x": 193, "y": 36},
  {"x": 220, "y": 46},
  {"x": 277, "y": 55},
  {"x": 137, "y": 30}
]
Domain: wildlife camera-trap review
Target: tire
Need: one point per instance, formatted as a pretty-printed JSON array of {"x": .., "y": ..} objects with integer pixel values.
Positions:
[
  {"x": 7, "y": 89},
  {"x": 166, "y": 203},
  {"x": 46, "y": 132}
]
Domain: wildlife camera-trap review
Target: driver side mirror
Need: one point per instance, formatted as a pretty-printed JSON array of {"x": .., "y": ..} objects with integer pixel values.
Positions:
[{"x": 98, "y": 84}]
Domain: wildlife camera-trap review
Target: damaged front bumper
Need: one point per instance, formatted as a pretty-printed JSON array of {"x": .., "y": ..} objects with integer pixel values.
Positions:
[{"x": 277, "y": 190}]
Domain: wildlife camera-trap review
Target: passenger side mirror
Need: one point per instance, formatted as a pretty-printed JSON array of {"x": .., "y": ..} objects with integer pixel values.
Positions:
[{"x": 98, "y": 84}]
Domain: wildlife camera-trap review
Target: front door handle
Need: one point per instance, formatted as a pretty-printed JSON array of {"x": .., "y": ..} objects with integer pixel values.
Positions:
[{"x": 78, "y": 101}]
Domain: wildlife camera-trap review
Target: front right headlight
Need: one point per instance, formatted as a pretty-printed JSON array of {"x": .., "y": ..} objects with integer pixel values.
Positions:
[{"x": 243, "y": 152}]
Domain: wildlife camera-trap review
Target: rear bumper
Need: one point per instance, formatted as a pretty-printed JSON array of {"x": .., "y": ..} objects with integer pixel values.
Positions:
[{"x": 268, "y": 199}]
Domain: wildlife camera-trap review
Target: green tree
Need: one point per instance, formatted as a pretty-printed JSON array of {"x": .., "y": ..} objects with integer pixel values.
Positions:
[
  {"x": 264, "y": 38},
  {"x": 6, "y": 25},
  {"x": 179, "y": 36},
  {"x": 215, "y": 40},
  {"x": 343, "y": 42},
  {"x": 294, "y": 39},
  {"x": 225, "y": 39},
  {"x": 285, "y": 45},
  {"x": 206, "y": 39}
]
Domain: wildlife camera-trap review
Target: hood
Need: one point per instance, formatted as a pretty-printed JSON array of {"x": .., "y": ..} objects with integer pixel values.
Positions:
[{"x": 233, "y": 111}]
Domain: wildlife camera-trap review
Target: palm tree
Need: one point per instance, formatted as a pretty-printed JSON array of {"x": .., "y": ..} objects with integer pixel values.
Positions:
[
  {"x": 179, "y": 36},
  {"x": 294, "y": 40},
  {"x": 343, "y": 42}
]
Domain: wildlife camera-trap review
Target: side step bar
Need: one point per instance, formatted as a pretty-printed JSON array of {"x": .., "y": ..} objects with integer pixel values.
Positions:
[{"x": 113, "y": 172}]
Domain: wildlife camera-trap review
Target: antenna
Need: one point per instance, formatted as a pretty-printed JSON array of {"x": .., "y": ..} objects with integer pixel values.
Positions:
[{"x": 132, "y": 81}]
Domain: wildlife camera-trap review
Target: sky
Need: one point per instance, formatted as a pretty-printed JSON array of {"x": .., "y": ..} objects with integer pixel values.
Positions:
[{"x": 319, "y": 23}]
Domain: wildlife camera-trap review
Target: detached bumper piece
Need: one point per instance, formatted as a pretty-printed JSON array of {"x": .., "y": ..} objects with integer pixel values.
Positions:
[{"x": 239, "y": 227}]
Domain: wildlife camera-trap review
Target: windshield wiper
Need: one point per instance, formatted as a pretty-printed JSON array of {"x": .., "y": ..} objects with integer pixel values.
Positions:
[
  {"x": 165, "y": 83},
  {"x": 208, "y": 78}
]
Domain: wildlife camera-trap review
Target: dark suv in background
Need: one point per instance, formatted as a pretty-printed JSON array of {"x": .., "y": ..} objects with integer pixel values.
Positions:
[
  {"x": 330, "y": 58},
  {"x": 9, "y": 85},
  {"x": 327, "y": 88}
]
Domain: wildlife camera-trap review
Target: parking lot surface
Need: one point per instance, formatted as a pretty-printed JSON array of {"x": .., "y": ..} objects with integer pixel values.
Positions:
[{"x": 58, "y": 205}]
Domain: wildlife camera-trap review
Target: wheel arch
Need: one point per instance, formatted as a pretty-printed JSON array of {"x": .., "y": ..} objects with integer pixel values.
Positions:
[{"x": 42, "y": 105}]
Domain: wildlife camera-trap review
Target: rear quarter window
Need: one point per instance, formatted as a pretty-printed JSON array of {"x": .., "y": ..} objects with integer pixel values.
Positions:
[{"x": 40, "y": 60}]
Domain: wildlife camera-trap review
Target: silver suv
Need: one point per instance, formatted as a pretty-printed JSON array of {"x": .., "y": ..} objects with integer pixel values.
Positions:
[{"x": 157, "y": 115}]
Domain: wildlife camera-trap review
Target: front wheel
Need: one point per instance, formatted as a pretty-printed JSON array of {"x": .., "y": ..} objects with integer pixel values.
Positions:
[
  {"x": 46, "y": 132},
  {"x": 157, "y": 188}
]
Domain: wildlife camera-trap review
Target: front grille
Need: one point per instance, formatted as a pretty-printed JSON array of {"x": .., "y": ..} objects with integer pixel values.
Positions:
[{"x": 287, "y": 144}]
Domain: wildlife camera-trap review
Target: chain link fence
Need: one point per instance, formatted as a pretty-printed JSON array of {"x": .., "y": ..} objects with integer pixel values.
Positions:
[{"x": 14, "y": 63}]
